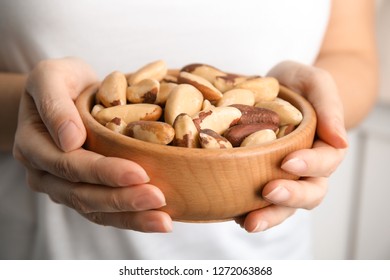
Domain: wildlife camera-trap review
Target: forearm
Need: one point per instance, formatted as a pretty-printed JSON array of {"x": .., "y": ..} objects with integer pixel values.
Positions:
[
  {"x": 349, "y": 54},
  {"x": 11, "y": 89},
  {"x": 357, "y": 79}
]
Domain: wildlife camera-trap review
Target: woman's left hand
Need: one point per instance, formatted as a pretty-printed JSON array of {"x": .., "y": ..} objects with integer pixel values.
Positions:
[{"x": 314, "y": 165}]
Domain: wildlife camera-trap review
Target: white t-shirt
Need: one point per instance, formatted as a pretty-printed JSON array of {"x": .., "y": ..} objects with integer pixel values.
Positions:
[{"x": 246, "y": 36}]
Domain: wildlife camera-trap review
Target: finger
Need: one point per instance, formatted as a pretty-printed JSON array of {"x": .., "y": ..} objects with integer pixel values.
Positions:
[
  {"x": 307, "y": 193},
  {"x": 54, "y": 85},
  {"x": 319, "y": 88},
  {"x": 320, "y": 161},
  {"x": 87, "y": 198},
  {"x": 76, "y": 166},
  {"x": 266, "y": 218},
  {"x": 147, "y": 221}
]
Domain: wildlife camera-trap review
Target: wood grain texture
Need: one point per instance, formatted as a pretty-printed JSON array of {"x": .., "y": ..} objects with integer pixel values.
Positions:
[{"x": 204, "y": 185}]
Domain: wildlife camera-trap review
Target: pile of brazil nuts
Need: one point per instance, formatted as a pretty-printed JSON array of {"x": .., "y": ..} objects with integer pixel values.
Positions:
[{"x": 198, "y": 106}]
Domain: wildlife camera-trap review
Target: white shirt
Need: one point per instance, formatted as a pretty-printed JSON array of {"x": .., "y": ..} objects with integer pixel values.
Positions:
[{"x": 247, "y": 36}]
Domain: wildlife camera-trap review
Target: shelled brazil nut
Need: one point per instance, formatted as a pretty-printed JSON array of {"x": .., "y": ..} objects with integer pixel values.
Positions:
[{"x": 198, "y": 106}]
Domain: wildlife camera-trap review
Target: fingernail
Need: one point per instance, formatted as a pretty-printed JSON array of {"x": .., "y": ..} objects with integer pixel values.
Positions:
[
  {"x": 134, "y": 178},
  {"x": 343, "y": 137},
  {"x": 68, "y": 135},
  {"x": 279, "y": 194},
  {"x": 149, "y": 201},
  {"x": 295, "y": 166},
  {"x": 158, "y": 226},
  {"x": 261, "y": 226}
]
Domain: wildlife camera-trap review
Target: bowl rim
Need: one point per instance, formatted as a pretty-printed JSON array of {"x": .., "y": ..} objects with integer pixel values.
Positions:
[{"x": 85, "y": 102}]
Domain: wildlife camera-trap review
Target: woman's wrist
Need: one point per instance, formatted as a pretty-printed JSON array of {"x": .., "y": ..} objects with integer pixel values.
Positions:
[{"x": 12, "y": 86}]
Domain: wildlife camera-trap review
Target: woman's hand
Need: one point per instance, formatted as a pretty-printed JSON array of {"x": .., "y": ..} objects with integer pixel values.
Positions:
[
  {"x": 50, "y": 133},
  {"x": 313, "y": 165}
]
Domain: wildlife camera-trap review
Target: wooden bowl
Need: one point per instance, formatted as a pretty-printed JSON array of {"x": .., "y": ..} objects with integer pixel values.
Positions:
[{"x": 204, "y": 185}]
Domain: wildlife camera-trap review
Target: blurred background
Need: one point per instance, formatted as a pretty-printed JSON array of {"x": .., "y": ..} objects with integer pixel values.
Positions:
[{"x": 353, "y": 222}]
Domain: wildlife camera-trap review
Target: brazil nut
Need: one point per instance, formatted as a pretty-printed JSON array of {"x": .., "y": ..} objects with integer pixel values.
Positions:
[
  {"x": 209, "y": 139},
  {"x": 218, "y": 119},
  {"x": 112, "y": 90},
  {"x": 155, "y": 70},
  {"x": 183, "y": 99},
  {"x": 151, "y": 131},
  {"x": 129, "y": 113},
  {"x": 236, "y": 134},
  {"x": 186, "y": 133},
  {"x": 258, "y": 138}
]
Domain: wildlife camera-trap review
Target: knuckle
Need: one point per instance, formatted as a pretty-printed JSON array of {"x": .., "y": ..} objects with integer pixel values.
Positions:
[
  {"x": 319, "y": 75},
  {"x": 97, "y": 172},
  {"x": 126, "y": 221},
  {"x": 76, "y": 202},
  {"x": 96, "y": 217},
  {"x": 318, "y": 197},
  {"x": 17, "y": 154},
  {"x": 116, "y": 203},
  {"x": 47, "y": 106},
  {"x": 32, "y": 181},
  {"x": 65, "y": 169},
  {"x": 316, "y": 202}
]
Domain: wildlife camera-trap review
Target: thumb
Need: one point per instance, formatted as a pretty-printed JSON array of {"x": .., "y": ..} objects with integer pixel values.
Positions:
[
  {"x": 54, "y": 85},
  {"x": 319, "y": 88}
]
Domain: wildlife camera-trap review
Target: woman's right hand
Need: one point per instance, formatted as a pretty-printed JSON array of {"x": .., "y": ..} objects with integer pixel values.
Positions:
[{"x": 48, "y": 141}]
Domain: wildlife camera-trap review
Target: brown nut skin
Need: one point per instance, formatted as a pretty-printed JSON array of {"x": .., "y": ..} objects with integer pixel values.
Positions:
[
  {"x": 285, "y": 130},
  {"x": 155, "y": 70},
  {"x": 227, "y": 82},
  {"x": 112, "y": 91},
  {"x": 209, "y": 139},
  {"x": 129, "y": 113},
  {"x": 251, "y": 114},
  {"x": 205, "y": 87},
  {"x": 145, "y": 91},
  {"x": 117, "y": 125},
  {"x": 236, "y": 134},
  {"x": 169, "y": 79},
  {"x": 186, "y": 133},
  {"x": 218, "y": 119},
  {"x": 151, "y": 131}
]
